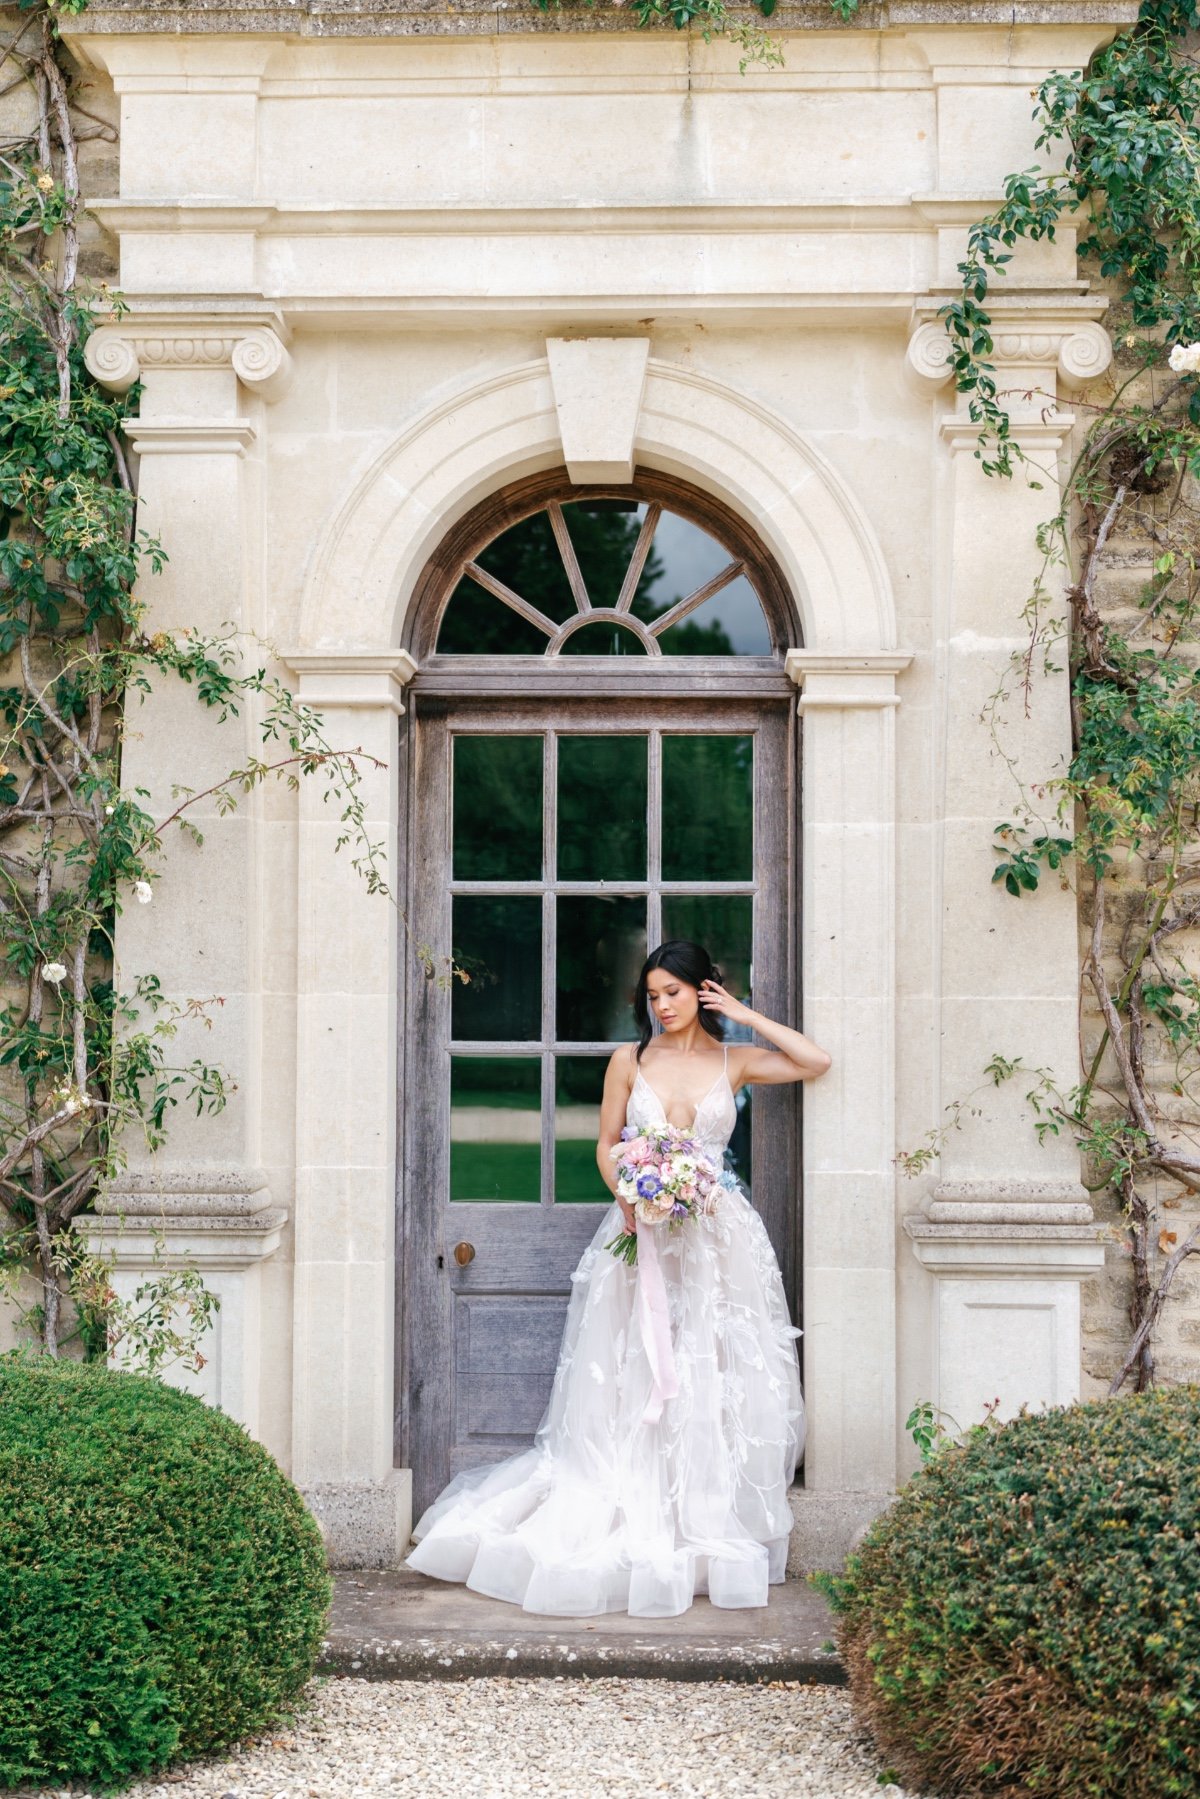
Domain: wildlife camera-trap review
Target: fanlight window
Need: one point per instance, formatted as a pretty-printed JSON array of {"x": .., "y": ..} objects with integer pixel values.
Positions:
[{"x": 605, "y": 577}]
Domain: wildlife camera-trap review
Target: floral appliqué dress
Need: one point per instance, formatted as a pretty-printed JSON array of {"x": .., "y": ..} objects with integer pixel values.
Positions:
[{"x": 614, "y": 1509}]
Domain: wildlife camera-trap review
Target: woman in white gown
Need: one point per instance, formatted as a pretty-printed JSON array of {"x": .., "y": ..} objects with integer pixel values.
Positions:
[{"x": 661, "y": 1467}]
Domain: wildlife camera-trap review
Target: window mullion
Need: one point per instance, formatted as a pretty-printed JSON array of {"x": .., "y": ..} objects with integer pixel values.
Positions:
[{"x": 549, "y": 957}]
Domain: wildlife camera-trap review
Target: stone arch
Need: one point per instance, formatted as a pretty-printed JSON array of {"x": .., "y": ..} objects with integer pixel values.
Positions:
[{"x": 689, "y": 425}]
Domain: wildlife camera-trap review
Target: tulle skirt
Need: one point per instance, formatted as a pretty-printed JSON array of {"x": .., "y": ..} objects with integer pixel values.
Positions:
[{"x": 610, "y": 1511}]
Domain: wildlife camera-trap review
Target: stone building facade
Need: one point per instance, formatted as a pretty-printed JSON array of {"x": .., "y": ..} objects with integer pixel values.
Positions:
[{"x": 399, "y": 280}]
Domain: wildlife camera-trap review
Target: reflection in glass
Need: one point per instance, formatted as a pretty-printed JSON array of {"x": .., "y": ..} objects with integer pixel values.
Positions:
[
  {"x": 707, "y": 808},
  {"x": 578, "y": 1086},
  {"x": 476, "y": 623},
  {"x": 495, "y": 1128},
  {"x": 602, "y": 808},
  {"x": 497, "y": 808},
  {"x": 724, "y": 924},
  {"x": 732, "y": 623},
  {"x": 603, "y": 533},
  {"x": 498, "y": 944},
  {"x": 684, "y": 557},
  {"x": 603, "y": 637},
  {"x": 601, "y": 948}
]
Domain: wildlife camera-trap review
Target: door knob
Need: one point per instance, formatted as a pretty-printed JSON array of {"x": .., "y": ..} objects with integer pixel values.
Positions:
[{"x": 464, "y": 1253}]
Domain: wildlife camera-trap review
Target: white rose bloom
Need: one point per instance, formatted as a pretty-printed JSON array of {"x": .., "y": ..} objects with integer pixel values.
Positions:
[
  {"x": 1185, "y": 358},
  {"x": 54, "y": 972},
  {"x": 142, "y": 892}
]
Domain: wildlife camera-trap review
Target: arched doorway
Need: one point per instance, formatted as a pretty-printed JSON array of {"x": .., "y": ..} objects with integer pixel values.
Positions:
[{"x": 599, "y": 753}]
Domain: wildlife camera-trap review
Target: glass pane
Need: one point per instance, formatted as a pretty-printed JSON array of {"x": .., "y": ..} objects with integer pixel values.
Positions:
[
  {"x": 527, "y": 559},
  {"x": 496, "y": 1128},
  {"x": 725, "y": 926},
  {"x": 604, "y": 637},
  {"x": 602, "y": 808},
  {"x": 498, "y": 945},
  {"x": 708, "y": 808},
  {"x": 601, "y": 948},
  {"x": 604, "y": 533},
  {"x": 498, "y": 808},
  {"x": 578, "y": 1085},
  {"x": 682, "y": 558},
  {"x": 476, "y": 623},
  {"x": 732, "y": 623}
]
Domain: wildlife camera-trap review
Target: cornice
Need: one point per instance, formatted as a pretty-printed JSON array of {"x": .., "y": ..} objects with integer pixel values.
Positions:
[{"x": 471, "y": 18}]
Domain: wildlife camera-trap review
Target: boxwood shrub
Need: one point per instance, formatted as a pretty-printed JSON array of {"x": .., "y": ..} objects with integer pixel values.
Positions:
[
  {"x": 1025, "y": 1619},
  {"x": 163, "y": 1590}
]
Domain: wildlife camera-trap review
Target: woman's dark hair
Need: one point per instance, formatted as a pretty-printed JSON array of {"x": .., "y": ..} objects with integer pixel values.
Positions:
[{"x": 688, "y": 962}]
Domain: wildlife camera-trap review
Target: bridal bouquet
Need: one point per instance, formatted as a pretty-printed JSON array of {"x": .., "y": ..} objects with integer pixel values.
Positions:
[{"x": 663, "y": 1175}]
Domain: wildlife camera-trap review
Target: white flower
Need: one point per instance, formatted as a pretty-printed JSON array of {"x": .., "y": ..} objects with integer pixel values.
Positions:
[
  {"x": 108, "y": 811},
  {"x": 54, "y": 972},
  {"x": 142, "y": 892},
  {"x": 1185, "y": 358}
]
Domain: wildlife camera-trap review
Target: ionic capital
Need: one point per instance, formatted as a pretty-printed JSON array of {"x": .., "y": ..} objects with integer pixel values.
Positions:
[
  {"x": 122, "y": 353},
  {"x": 1065, "y": 340}
]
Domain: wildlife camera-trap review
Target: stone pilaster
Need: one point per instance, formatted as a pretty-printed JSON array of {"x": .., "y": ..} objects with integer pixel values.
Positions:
[
  {"x": 848, "y": 706},
  {"x": 346, "y": 1125},
  {"x": 1007, "y": 1234},
  {"x": 205, "y": 1198}
]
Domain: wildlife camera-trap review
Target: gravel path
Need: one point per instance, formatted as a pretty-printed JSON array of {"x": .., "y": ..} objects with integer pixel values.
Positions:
[{"x": 548, "y": 1739}]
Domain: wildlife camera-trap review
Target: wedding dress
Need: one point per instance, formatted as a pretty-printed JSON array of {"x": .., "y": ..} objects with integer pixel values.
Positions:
[{"x": 615, "y": 1508}]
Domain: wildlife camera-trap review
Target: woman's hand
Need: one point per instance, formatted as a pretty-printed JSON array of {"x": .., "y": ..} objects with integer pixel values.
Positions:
[
  {"x": 714, "y": 998},
  {"x": 629, "y": 1216}
]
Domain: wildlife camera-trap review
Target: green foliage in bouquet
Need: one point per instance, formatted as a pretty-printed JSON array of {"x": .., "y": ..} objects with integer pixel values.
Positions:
[
  {"x": 163, "y": 1589},
  {"x": 1023, "y": 1619}
]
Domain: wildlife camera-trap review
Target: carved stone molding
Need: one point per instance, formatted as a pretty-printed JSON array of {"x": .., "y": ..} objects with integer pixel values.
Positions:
[
  {"x": 1047, "y": 432},
  {"x": 1010, "y": 1201},
  {"x": 186, "y": 1191},
  {"x": 842, "y": 679},
  {"x": 120, "y": 354},
  {"x": 1066, "y": 340},
  {"x": 351, "y": 680}
]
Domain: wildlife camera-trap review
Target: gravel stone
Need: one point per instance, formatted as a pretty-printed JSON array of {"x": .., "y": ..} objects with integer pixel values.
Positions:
[{"x": 560, "y": 1738}]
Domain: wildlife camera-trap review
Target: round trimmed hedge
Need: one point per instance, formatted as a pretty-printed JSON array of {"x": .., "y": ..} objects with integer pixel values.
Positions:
[
  {"x": 163, "y": 1590},
  {"x": 1025, "y": 1619}
]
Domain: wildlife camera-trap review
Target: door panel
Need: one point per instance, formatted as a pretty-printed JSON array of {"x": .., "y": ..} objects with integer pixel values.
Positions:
[{"x": 550, "y": 846}]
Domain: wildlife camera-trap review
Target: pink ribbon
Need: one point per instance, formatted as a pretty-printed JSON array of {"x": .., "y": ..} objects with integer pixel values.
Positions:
[{"x": 656, "y": 1328}]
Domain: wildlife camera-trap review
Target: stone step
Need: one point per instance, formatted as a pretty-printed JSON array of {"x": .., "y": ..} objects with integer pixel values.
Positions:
[{"x": 399, "y": 1625}]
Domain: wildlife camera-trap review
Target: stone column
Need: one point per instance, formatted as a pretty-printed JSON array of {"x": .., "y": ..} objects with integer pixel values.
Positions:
[
  {"x": 848, "y": 706},
  {"x": 205, "y": 1198},
  {"x": 1007, "y": 1233},
  {"x": 346, "y": 1125}
]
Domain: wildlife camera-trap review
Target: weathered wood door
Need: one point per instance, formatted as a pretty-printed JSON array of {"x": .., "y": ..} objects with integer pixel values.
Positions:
[{"x": 555, "y": 834}]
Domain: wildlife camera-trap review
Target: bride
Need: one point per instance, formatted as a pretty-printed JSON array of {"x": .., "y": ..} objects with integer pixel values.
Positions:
[{"x": 661, "y": 1467}]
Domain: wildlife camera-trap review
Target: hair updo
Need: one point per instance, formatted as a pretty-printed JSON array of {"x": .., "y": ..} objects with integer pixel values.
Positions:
[{"x": 688, "y": 962}]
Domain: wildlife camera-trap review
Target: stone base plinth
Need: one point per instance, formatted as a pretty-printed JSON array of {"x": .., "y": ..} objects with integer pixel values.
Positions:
[{"x": 366, "y": 1524}]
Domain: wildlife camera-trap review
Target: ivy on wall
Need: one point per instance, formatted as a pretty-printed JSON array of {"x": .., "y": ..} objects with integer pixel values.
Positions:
[
  {"x": 83, "y": 1064},
  {"x": 1124, "y": 817}
]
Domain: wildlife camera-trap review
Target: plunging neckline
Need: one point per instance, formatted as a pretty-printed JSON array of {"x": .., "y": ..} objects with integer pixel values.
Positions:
[{"x": 702, "y": 1101}]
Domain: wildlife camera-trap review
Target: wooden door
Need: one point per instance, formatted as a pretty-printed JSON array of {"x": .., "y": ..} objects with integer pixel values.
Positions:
[{"x": 554, "y": 839}]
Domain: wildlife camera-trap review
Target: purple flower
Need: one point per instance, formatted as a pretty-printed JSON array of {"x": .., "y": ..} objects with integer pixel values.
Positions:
[
  {"x": 627, "y": 1131},
  {"x": 678, "y": 1210},
  {"x": 648, "y": 1185}
]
